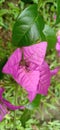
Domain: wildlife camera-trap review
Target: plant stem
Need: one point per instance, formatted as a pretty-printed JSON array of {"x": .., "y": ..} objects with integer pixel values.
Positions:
[{"x": 15, "y": 110}]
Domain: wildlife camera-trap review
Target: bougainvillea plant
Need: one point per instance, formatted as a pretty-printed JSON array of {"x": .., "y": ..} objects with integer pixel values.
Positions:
[
  {"x": 27, "y": 64},
  {"x": 29, "y": 69}
]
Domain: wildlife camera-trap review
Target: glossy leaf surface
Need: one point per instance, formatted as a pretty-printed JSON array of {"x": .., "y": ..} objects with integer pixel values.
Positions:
[{"x": 28, "y": 27}]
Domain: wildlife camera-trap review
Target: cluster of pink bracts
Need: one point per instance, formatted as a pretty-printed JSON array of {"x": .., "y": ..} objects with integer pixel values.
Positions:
[{"x": 29, "y": 69}]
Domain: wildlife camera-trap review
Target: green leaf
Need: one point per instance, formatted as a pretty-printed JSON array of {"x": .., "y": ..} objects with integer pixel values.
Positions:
[
  {"x": 58, "y": 12},
  {"x": 35, "y": 102},
  {"x": 28, "y": 27},
  {"x": 50, "y": 35},
  {"x": 2, "y": 63},
  {"x": 31, "y": 106},
  {"x": 25, "y": 116}
]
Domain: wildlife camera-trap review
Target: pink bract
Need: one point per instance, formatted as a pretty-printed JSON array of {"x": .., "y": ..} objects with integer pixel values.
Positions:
[
  {"x": 58, "y": 44},
  {"x": 27, "y": 67},
  {"x": 44, "y": 80},
  {"x": 5, "y": 105}
]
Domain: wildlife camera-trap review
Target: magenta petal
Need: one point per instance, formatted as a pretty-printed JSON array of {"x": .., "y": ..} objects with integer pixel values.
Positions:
[
  {"x": 35, "y": 53},
  {"x": 12, "y": 63},
  {"x": 58, "y": 46},
  {"x": 44, "y": 81},
  {"x": 55, "y": 71},
  {"x": 58, "y": 38},
  {"x": 3, "y": 111},
  {"x": 32, "y": 95},
  {"x": 7, "y": 103},
  {"x": 27, "y": 79},
  {"x": 11, "y": 106}
]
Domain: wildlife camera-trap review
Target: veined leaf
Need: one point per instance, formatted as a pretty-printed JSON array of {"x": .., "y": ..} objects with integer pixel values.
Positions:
[{"x": 28, "y": 27}]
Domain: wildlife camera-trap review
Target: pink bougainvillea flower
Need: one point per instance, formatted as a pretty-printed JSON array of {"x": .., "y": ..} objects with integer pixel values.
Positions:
[
  {"x": 27, "y": 67},
  {"x": 58, "y": 45},
  {"x": 5, "y": 106},
  {"x": 20, "y": 68}
]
